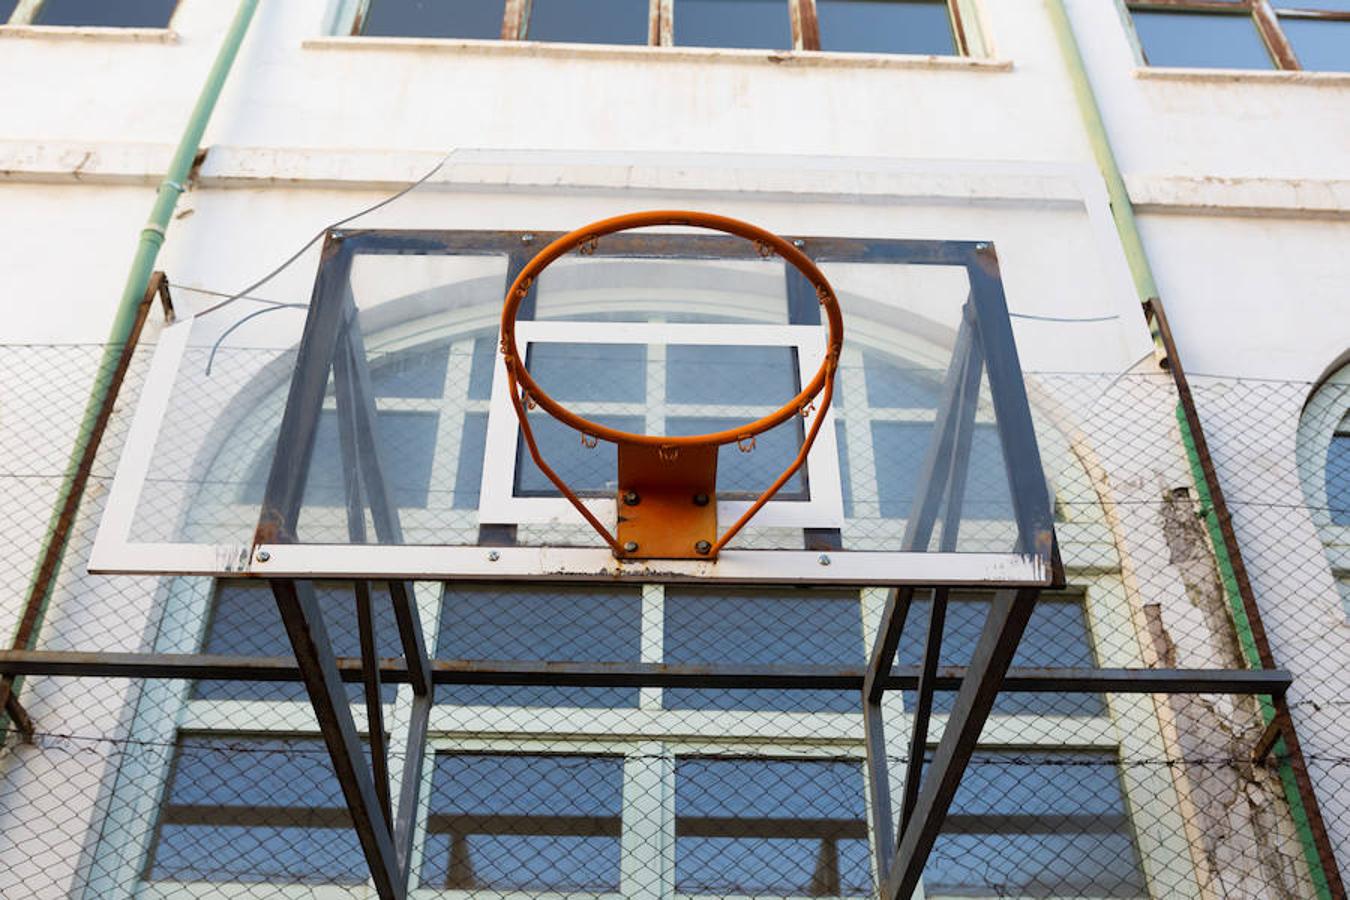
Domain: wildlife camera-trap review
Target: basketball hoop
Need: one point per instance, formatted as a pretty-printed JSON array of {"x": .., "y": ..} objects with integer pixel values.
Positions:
[{"x": 667, "y": 498}]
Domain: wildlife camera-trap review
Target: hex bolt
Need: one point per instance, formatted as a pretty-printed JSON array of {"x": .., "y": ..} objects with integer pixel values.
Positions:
[
  {"x": 799, "y": 243},
  {"x": 823, "y": 559},
  {"x": 631, "y": 498},
  {"x": 630, "y": 547},
  {"x": 703, "y": 548},
  {"x": 493, "y": 556},
  {"x": 527, "y": 239},
  {"x": 700, "y": 499},
  {"x": 263, "y": 556}
]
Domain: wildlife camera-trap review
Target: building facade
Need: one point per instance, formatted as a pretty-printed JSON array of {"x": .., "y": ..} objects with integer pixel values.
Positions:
[{"x": 1112, "y": 152}]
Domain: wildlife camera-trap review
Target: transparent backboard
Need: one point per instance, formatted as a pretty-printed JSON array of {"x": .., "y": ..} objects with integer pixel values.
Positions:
[{"x": 371, "y": 434}]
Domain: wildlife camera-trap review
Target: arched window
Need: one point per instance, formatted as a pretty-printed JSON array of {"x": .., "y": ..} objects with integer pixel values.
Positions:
[{"x": 1324, "y": 468}]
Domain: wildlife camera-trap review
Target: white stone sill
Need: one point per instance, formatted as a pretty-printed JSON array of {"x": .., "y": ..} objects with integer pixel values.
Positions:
[
  {"x": 88, "y": 33},
  {"x": 1243, "y": 76},
  {"x": 643, "y": 53}
]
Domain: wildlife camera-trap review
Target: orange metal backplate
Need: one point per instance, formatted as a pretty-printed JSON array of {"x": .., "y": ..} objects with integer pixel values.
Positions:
[{"x": 667, "y": 502}]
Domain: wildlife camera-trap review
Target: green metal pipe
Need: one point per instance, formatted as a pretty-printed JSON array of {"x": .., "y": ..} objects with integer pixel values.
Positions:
[
  {"x": 142, "y": 265},
  {"x": 1122, "y": 211}
]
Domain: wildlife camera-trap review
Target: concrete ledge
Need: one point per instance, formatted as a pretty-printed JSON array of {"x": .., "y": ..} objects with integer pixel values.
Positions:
[
  {"x": 1212, "y": 195},
  {"x": 643, "y": 53},
  {"x": 89, "y": 33},
  {"x": 1244, "y": 76}
]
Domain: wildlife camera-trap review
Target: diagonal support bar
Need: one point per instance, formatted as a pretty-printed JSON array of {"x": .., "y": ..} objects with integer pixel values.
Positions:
[{"x": 1008, "y": 615}]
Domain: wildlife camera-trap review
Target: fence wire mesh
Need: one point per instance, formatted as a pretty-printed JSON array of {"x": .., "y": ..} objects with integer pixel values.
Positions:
[{"x": 223, "y": 789}]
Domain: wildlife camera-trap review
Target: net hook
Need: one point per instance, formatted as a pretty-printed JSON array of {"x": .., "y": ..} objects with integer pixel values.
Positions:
[
  {"x": 587, "y": 246},
  {"x": 745, "y": 443},
  {"x": 668, "y": 453},
  {"x": 764, "y": 249},
  {"x": 589, "y": 441}
]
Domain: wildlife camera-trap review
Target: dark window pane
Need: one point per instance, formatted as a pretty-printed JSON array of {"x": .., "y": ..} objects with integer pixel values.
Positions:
[
  {"x": 770, "y": 826},
  {"x": 1338, "y": 479},
  {"x": 557, "y": 623},
  {"x": 590, "y": 471},
  {"x": 1319, "y": 46},
  {"x": 411, "y": 373},
  {"x": 723, "y": 375},
  {"x": 1036, "y": 824},
  {"x": 255, "y": 810},
  {"x": 1201, "y": 40},
  {"x": 1055, "y": 637},
  {"x": 7, "y": 10},
  {"x": 573, "y": 373},
  {"x": 1322, "y": 5},
  {"x": 524, "y": 822},
  {"x": 589, "y": 21},
  {"x": 733, "y": 23},
  {"x": 113, "y": 13},
  {"x": 435, "y": 18},
  {"x": 761, "y": 628},
  {"x": 892, "y": 386},
  {"x": 886, "y": 26},
  {"x": 745, "y": 475},
  {"x": 469, "y": 473},
  {"x": 482, "y": 367},
  {"x": 898, "y": 449},
  {"x": 407, "y": 443},
  {"x": 244, "y": 621}
]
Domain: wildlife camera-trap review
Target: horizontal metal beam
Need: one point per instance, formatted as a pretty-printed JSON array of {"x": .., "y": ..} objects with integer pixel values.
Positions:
[{"x": 215, "y": 667}]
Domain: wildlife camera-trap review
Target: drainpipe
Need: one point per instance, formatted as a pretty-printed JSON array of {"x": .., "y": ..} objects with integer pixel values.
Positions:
[
  {"x": 1246, "y": 615},
  {"x": 124, "y": 331}
]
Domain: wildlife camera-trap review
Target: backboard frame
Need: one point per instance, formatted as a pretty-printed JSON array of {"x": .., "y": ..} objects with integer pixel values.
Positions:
[{"x": 274, "y": 554}]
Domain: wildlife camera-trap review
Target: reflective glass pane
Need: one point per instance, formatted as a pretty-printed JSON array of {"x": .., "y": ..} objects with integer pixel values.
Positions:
[
  {"x": 770, "y": 826},
  {"x": 891, "y": 385},
  {"x": 1201, "y": 40},
  {"x": 411, "y": 373},
  {"x": 482, "y": 367},
  {"x": 702, "y": 374},
  {"x": 557, "y": 623},
  {"x": 744, "y": 475},
  {"x": 899, "y": 448},
  {"x": 524, "y": 822},
  {"x": 249, "y": 809},
  {"x": 733, "y": 23},
  {"x": 589, "y": 21},
  {"x": 469, "y": 468},
  {"x": 1319, "y": 45},
  {"x": 7, "y": 10},
  {"x": 886, "y": 26},
  {"x": 480, "y": 19},
  {"x": 1035, "y": 824},
  {"x": 407, "y": 443},
  {"x": 761, "y": 628},
  {"x": 1056, "y": 636},
  {"x": 1338, "y": 479},
  {"x": 119, "y": 14},
  {"x": 244, "y": 621},
  {"x": 589, "y": 471},
  {"x": 572, "y": 373}
]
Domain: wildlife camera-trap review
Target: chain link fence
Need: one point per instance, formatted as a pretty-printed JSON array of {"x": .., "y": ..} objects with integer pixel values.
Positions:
[{"x": 223, "y": 789}]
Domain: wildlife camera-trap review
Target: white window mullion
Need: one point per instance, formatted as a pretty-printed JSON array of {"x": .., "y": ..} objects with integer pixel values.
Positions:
[{"x": 647, "y": 854}]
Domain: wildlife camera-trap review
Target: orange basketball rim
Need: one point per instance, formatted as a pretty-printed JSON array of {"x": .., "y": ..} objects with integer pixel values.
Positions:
[{"x": 667, "y": 485}]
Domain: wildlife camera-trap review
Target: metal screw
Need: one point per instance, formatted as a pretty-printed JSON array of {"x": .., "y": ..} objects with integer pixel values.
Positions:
[
  {"x": 631, "y": 498},
  {"x": 703, "y": 548},
  {"x": 630, "y": 547},
  {"x": 493, "y": 556},
  {"x": 263, "y": 556},
  {"x": 799, "y": 243},
  {"x": 527, "y": 239},
  {"x": 823, "y": 559},
  {"x": 981, "y": 246},
  {"x": 700, "y": 499}
]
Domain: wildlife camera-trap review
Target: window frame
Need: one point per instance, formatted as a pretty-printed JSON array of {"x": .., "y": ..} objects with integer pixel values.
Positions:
[
  {"x": 1326, "y": 415},
  {"x": 28, "y": 10},
  {"x": 1263, "y": 13},
  {"x": 802, "y": 18}
]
